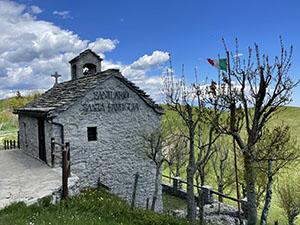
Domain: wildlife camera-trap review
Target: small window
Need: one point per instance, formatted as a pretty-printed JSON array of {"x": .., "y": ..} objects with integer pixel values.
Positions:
[{"x": 92, "y": 133}]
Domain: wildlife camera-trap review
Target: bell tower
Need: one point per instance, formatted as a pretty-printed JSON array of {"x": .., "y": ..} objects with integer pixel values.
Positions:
[{"x": 86, "y": 64}]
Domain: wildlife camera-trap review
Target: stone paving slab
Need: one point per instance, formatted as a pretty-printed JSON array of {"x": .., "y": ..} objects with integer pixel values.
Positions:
[{"x": 24, "y": 178}]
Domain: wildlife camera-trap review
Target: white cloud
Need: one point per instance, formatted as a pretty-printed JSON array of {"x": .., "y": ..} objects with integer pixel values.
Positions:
[
  {"x": 137, "y": 72},
  {"x": 31, "y": 50},
  {"x": 35, "y": 9},
  {"x": 63, "y": 14},
  {"x": 103, "y": 45},
  {"x": 146, "y": 62}
]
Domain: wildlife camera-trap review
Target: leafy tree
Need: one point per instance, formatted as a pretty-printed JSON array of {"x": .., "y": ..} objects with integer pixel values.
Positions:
[
  {"x": 14, "y": 103},
  {"x": 18, "y": 95},
  {"x": 289, "y": 197},
  {"x": 274, "y": 151}
]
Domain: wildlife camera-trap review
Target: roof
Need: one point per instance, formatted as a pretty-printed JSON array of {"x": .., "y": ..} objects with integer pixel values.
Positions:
[
  {"x": 63, "y": 95},
  {"x": 88, "y": 51}
]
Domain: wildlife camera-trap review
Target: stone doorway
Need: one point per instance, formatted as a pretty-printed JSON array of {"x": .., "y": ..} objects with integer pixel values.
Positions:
[{"x": 42, "y": 146}]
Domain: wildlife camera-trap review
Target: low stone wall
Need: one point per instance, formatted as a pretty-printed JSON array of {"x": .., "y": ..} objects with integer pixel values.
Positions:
[
  {"x": 215, "y": 212},
  {"x": 176, "y": 190}
]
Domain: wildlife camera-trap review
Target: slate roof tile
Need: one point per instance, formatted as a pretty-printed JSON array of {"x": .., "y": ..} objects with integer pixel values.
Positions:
[{"x": 64, "y": 94}]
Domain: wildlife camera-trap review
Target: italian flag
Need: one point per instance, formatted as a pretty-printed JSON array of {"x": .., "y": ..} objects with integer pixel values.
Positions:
[{"x": 220, "y": 64}]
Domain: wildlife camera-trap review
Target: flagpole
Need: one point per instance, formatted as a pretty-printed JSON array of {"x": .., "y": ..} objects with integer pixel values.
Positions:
[{"x": 233, "y": 110}]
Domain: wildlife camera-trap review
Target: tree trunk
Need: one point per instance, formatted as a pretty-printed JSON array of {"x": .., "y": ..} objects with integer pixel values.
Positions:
[
  {"x": 220, "y": 189},
  {"x": 250, "y": 181},
  {"x": 170, "y": 174},
  {"x": 291, "y": 220},
  {"x": 201, "y": 207},
  {"x": 190, "y": 171},
  {"x": 201, "y": 201},
  {"x": 156, "y": 188},
  {"x": 265, "y": 212},
  {"x": 191, "y": 211},
  {"x": 177, "y": 173}
]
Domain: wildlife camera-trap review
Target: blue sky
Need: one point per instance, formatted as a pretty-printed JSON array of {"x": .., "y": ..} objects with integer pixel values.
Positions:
[{"x": 136, "y": 37}]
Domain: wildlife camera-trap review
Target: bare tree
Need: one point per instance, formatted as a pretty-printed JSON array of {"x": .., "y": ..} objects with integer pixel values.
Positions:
[
  {"x": 258, "y": 87},
  {"x": 198, "y": 122},
  {"x": 221, "y": 163},
  {"x": 206, "y": 137},
  {"x": 176, "y": 154},
  {"x": 152, "y": 143},
  {"x": 185, "y": 101}
]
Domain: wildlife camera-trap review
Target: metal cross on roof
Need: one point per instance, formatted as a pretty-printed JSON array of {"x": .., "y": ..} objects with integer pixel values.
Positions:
[{"x": 56, "y": 76}]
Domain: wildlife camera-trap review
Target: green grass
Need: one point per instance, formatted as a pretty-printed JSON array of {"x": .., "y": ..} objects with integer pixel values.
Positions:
[
  {"x": 173, "y": 203},
  {"x": 91, "y": 207}
]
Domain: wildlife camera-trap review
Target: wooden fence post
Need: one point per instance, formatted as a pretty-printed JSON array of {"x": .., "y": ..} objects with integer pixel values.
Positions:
[
  {"x": 10, "y": 144},
  {"x": 65, "y": 174},
  {"x": 147, "y": 204},
  {"x": 68, "y": 158},
  {"x": 14, "y": 144},
  {"x": 5, "y": 144},
  {"x": 134, "y": 190}
]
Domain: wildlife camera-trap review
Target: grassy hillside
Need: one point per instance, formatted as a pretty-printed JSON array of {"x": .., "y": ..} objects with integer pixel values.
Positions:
[
  {"x": 9, "y": 121},
  {"x": 286, "y": 116},
  {"x": 91, "y": 207}
]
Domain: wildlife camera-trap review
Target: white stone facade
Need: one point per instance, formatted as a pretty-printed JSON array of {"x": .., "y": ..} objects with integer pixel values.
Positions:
[{"x": 119, "y": 115}]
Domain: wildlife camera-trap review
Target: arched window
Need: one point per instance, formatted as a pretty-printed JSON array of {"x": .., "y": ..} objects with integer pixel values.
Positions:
[{"x": 89, "y": 68}]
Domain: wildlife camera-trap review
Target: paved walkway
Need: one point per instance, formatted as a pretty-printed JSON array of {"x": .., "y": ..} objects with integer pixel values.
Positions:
[{"x": 23, "y": 178}]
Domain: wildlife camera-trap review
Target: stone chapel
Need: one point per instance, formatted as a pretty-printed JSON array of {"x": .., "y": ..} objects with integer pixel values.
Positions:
[{"x": 101, "y": 114}]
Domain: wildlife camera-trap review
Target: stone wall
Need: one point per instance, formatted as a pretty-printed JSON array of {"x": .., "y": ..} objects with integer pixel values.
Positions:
[
  {"x": 120, "y": 115},
  {"x": 29, "y": 136},
  {"x": 28, "y": 131},
  {"x": 48, "y": 134}
]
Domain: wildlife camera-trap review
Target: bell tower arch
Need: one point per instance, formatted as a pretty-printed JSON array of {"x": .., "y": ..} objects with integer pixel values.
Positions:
[{"x": 86, "y": 64}]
